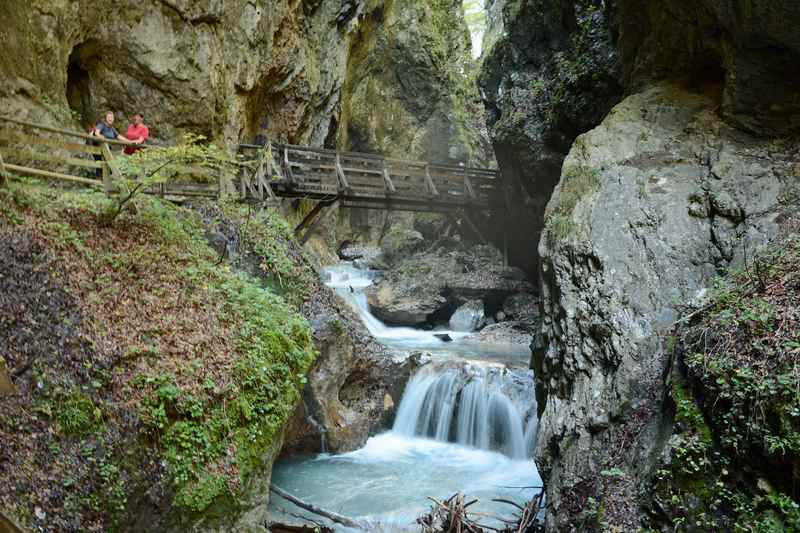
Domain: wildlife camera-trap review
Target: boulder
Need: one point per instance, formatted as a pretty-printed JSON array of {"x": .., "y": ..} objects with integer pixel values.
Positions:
[
  {"x": 393, "y": 304},
  {"x": 518, "y": 333},
  {"x": 400, "y": 243},
  {"x": 468, "y": 317},
  {"x": 423, "y": 285}
]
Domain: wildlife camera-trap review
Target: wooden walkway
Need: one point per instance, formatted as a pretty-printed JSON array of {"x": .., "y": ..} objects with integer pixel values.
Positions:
[{"x": 266, "y": 173}]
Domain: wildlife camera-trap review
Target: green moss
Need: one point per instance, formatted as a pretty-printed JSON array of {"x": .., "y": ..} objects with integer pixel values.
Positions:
[
  {"x": 577, "y": 183},
  {"x": 78, "y": 415},
  {"x": 212, "y": 413}
]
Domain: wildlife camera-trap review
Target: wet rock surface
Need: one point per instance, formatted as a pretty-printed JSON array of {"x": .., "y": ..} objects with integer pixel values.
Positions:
[
  {"x": 468, "y": 317},
  {"x": 353, "y": 388},
  {"x": 520, "y": 333}
]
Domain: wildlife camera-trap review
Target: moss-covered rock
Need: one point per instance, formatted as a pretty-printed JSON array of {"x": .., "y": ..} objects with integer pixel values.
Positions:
[{"x": 733, "y": 461}]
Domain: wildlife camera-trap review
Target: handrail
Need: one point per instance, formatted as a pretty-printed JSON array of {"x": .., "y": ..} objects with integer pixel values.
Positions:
[
  {"x": 71, "y": 133},
  {"x": 365, "y": 155}
]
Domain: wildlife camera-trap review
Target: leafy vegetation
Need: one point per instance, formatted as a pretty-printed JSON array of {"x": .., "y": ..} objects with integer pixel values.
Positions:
[
  {"x": 736, "y": 457},
  {"x": 191, "y": 158}
]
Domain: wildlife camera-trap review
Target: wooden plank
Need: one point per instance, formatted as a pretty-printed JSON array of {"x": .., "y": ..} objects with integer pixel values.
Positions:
[
  {"x": 17, "y": 136},
  {"x": 28, "y": 154},
  {"x": 63, "y": 131},
  {"x": 26, "y": 171}
]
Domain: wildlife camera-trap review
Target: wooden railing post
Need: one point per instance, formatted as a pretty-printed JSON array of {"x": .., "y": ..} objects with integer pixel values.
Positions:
[
  {"x": 3, "y": 172},
  {"x": 108, "y": 169},
  {"x": 387, "y": 179},
  {"x": 468, "y": 184},
  {"x": 344, "y": 187},
  {"x": 287, "y": 166},
  {"x": 431, "y": 187}
]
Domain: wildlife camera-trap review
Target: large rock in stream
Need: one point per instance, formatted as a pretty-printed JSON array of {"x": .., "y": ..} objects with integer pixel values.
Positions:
[{"x": 421, "y": 286}]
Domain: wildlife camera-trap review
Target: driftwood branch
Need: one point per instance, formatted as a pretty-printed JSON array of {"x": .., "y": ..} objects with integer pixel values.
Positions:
[{"x": 334, "y": 517}]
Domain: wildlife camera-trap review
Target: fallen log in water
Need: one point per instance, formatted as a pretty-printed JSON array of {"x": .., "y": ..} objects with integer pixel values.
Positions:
[{"x": 330, "y": 515}]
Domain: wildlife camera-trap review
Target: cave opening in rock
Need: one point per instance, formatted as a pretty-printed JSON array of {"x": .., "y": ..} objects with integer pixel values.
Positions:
[{"x": 79, "y": 80}]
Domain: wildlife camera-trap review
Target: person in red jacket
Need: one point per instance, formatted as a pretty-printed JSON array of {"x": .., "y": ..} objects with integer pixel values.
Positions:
[{"x": 137, "y": 133}]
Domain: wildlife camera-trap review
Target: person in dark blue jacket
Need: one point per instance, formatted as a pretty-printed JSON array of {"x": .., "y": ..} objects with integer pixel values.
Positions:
[{"x": 105, "y": 128}]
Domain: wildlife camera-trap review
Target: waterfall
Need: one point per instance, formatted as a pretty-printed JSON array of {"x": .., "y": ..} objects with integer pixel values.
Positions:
[
  {"x": 469, "y": 408},
  {"x": 350, "y": 283}
]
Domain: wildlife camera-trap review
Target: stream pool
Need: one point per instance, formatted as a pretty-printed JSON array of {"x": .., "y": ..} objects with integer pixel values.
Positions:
[{"x": 466, "y": 423}]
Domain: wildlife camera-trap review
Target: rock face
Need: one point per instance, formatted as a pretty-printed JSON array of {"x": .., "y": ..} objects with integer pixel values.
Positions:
[
  {"x": 649, "y": 206},
  {"x": 430, "y": 285},
  {"x": 225, "y": 69},
  {"x": 552, "y": 74},
  {"x": 353, "y": 388},
  {"x": 407, "y": 93},
  {"x": 652, "y": 204},
  {"x": 558, "y": 67}
]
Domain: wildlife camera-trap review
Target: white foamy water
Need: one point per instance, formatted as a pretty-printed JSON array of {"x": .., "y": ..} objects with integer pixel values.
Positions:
[
  {"x": 350, "y": 283},
  {"x": 466, "y": 423}
]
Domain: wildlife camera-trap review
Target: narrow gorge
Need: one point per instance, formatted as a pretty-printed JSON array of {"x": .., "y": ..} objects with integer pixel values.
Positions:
[{"x": 546, "y": 278}]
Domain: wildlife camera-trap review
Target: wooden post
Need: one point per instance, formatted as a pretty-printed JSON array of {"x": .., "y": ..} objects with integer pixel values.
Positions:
[
  {"x": 110, "y": 171},
  {"x": 468, "y": 184},
  {"x": 387, "y": 180},
  {"x": 344, "y": 187},
  {"x": 287, "y": 165},
  {"x": 106, "y": 170},
  {"x": 431, "y": 187},
  {"x": 3, "y": 172}
]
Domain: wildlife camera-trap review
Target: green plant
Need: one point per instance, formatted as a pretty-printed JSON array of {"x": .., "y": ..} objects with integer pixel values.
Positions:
[
  {"x": 78, "y": 415},
  {"x": 577, "y": 183},
  {"x": 158, "y": 165}
]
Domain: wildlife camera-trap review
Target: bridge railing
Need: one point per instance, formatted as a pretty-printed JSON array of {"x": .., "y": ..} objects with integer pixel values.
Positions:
[
  {"x": 30, "y": 149},
  {"x": 320, "y": 172},
  {"x": 265, "y": 172}
]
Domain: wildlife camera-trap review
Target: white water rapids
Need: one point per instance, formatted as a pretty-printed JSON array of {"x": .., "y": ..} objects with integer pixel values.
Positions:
[{"x": 466, "y": 423}]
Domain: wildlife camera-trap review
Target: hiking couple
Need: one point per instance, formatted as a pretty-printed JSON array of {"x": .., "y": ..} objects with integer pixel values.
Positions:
[{"x": 137, "y": 132}]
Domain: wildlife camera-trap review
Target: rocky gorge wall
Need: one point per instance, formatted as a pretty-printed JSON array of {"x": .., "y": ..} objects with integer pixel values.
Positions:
[
  {"x": 222, "y": 69},
  {"x": 687, "y": 176}
]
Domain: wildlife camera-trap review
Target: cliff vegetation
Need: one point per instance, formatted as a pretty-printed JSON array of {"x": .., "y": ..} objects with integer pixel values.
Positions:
[{"x": 152, "y": 380}]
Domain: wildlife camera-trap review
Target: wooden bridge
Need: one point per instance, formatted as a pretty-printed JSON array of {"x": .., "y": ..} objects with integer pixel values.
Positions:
[{"x": 265, "y": 173}]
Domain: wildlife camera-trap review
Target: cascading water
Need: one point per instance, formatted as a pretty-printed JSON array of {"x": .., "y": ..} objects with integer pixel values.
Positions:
[
  {"x": 465, "y": 406},
  {"x": 466, "y": 422}
]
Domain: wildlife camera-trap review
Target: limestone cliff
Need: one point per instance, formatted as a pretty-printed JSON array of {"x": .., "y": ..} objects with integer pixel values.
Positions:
[
  {"x": 408, "y": 91},
  {"x": 652, "y": 205},
  {"x": 683, "y": 179},
  {"x": 230, "y": 69}
]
